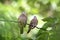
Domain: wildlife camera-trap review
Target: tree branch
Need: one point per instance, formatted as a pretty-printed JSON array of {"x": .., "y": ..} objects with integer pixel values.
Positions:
[
  {"x": 9, "y": 21},
  {"x": 18, "y": 22}
]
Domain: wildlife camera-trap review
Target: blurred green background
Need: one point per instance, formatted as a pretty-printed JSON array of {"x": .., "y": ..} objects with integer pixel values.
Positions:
[{"x": 46, "y": 11}]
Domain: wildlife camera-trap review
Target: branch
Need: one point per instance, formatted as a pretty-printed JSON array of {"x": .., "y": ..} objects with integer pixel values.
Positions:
[
  {"x": 9, "y": 21},
  {"x": 18, "y": 22}
]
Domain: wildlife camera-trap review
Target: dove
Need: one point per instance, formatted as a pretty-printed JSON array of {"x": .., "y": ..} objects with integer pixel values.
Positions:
[
  {"x": 33, "y": 24},
  {"x": 22, "y": 19}
]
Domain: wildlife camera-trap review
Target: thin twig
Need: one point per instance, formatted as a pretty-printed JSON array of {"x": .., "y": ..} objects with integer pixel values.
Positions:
[
  {"x": 37, "y": 28},
  {"x": 9, "y": 21},
  {"x": 18, "y": 22}
]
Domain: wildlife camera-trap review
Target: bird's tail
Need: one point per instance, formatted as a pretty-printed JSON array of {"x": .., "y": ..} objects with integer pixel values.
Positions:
[
  {"x": 29, "y": 30},
  {"x": 21, "y": 30}
]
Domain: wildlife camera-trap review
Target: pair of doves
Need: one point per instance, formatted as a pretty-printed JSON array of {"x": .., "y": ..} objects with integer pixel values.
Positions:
[{"x": 22, "y": 19}]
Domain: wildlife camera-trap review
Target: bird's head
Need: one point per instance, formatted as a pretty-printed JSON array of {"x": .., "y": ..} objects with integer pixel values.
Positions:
[
  {"x": 35, "y": 17},
  {"x": 24, "y": 13}
]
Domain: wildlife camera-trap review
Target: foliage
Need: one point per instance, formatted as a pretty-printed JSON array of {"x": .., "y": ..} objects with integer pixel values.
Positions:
[{"x": 47, "y": 12}]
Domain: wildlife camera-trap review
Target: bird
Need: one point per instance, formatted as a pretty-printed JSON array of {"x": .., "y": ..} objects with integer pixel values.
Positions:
[
  {"x": 22, "y": 19},
  {"x": 33, "y": 24}
]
